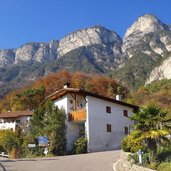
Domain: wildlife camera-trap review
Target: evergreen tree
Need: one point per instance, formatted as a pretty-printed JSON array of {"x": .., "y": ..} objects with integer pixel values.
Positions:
[
  {"x": 31, "y": 98},
  {"x": 36, "y": 123},
  {"x": 55, "y": 129}
]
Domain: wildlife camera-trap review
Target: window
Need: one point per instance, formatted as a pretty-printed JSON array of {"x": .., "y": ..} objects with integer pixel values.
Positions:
[
  {"x": 108, "y": 109},
  {"x": 126, "y": 130},
  {"x": 109, "y": 128},
  {"x": 125, "y": 113},
  {"x": 82, "y": 129},
  {"x": 17, "y": 121}
]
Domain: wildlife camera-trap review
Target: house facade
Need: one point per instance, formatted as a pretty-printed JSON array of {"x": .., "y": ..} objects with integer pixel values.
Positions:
[
  {"x": 102, "y": 120},
  {"x": 10, "y": 120}
]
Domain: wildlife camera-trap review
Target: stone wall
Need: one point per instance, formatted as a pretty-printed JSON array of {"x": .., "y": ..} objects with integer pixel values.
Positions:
[{"x": 124, "y": 165}]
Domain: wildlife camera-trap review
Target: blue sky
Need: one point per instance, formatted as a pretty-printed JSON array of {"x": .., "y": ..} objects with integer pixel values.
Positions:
[{"x": 23, "y": 21}]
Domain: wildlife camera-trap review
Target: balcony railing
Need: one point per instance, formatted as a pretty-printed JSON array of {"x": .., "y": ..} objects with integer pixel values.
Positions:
[{"x": 78, "y": 115}]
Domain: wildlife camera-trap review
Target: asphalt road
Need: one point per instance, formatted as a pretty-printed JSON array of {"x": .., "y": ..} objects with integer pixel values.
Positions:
[{"x": 101, "y": 161}]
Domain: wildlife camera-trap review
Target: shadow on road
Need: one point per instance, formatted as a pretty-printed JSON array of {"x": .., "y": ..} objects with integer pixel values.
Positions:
[
  {"x": 24, "y": 160},
  {"x": 3, "y": 167}
]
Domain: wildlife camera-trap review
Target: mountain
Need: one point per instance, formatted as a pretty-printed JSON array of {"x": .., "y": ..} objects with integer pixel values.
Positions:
[
  {"x": 96, "y": 39},
  {"x": 146, "y": 44},
  {"x": 95, "y": 49},
  {"x": 31, "y": 52}
]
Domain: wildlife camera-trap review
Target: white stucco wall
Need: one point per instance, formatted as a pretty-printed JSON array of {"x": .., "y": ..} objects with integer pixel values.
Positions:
[
  {"x": 97, "y": 119},
  {"x": 72, "y": 131},
  {"x": 96, "y": 122},
  {"x": 8, "y": 125},
  {"x": 11, "y": 123},
  {"x": 62, "y": 103},
  {"x": 24, "y": 122}
]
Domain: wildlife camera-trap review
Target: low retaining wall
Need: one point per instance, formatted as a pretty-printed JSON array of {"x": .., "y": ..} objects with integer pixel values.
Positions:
[{"x": 124, "y": 165}]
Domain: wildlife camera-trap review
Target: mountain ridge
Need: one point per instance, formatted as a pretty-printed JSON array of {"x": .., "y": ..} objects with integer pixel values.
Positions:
[{"x": 94, "y": 49}]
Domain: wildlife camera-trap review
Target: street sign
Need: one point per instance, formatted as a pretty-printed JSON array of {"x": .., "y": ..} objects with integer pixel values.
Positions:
[
  {"x": 43, "y": 141},
  {"x": 32, "y": 145}
]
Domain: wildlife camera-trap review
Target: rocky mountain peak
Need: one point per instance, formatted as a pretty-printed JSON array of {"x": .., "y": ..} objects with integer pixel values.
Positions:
[
  {"x": 147, "y": 36},
  {"x": 85, "y": 37},
  {"x": 145, "y": 24}
]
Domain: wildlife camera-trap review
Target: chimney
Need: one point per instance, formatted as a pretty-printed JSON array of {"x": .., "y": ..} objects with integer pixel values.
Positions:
[
  {"x": 118, "y": 97},
  {"x": 66, "y": 85}
]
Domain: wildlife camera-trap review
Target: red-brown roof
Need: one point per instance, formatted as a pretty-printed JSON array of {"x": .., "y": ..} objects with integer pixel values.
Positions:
[
  {"x": 16, "y": 114},
  {"x": 65, "y": 91}
]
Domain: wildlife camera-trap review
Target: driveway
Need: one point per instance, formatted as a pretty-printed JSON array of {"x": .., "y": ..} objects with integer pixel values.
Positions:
[{"x": 101, "y": 161}]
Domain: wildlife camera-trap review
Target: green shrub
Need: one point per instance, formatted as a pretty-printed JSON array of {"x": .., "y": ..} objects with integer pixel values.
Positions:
[
  {"x": 133, "y": 158},
  {"x": 165, "y": 166},
  {"x": 145, "y": 159},
  {"x": 153, "y": 165},
  {"x": 80, "y": 145},
  {"x": 8, "y": 140},
  {"x": 165, "y": 155},
  {"x": 131, "y": 144},
  {"x": 125, "y": 145}
]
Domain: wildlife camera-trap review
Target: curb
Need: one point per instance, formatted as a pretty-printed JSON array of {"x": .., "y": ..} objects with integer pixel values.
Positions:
[{"x": 114, "y": 165}]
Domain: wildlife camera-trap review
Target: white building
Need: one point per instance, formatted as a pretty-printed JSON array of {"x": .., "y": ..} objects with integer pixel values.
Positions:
[
  {"x": 10, "y": 120},
  {"x": 104, "y": 120}
]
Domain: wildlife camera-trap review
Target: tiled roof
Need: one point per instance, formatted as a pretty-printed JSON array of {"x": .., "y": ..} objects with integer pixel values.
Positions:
[
  {"x": 16, "y": 114},
  {"x": 65, "y": 91}
]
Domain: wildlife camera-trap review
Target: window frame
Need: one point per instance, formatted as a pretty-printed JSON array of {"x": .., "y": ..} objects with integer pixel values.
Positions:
[
  {"x": 108, "y": 127},
  {"x": 108, "y": 109},
  {"x": 125, "y": 113},
  {"x": 126, "y": 130}
]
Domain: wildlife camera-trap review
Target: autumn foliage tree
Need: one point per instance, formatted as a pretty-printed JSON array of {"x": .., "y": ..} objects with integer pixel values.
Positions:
[
  {"x": 30, "y": 97},
  {"x": 158, "y": 92}
]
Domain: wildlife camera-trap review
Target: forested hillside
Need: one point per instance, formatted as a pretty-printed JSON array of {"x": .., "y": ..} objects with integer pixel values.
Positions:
[
  {"x": 158, "y": 92},
  {"x": 29, "y": 97}
]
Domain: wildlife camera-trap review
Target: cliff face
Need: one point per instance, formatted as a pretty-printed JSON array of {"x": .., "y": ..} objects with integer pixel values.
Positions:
[
  {"x": 102, "y": 46},
  {"x": 40, "y": 52},
  {"x": 7, "y": 57},
  {"x": 163, "y": 71},
  {"x": 91, "y": 36}
]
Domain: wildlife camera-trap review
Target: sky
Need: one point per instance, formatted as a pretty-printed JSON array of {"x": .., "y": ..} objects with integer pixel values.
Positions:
[{"x": 23, "y": 21}]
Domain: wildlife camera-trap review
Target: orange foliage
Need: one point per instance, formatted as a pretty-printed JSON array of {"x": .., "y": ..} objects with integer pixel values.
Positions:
[{"x": 92, "y": 82}]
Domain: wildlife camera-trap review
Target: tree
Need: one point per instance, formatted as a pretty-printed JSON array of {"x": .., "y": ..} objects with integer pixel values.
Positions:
[
  {"x": 50, "y": 121},
  {"x": 8, "y": 140},
  {"x": 31, "y": 98},
  {"x": 148, "y": 127},
  {"x": 55, "y": 129},
  {"x": 36, "y": 122}
]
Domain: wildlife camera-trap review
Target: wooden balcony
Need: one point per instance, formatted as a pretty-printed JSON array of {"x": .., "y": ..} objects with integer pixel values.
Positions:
[{"x": 77, "y": 116}]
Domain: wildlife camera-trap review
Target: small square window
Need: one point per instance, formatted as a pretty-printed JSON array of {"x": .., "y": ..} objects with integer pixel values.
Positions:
[
  {"x": 125, "y": 113},
  {"x": 109, "y": 128},
  {"x": 126, "y": 130},
  {"x": 108, "y": 109}
]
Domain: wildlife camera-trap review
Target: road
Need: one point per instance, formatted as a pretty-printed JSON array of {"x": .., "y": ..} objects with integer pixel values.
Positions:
[{"x": 101, "y": 161}]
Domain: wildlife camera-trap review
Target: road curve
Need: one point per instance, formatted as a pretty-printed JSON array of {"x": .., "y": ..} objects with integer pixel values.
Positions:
[{"x": 101, "y": 161}]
